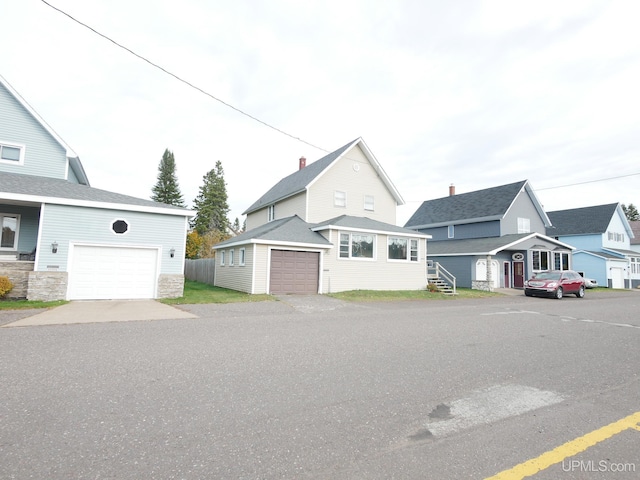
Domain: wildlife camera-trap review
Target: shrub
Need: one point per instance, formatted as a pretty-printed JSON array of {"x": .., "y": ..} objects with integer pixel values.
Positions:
[
  {"x": 5, "y": 286},
  {"x": 432, "y": 287}
]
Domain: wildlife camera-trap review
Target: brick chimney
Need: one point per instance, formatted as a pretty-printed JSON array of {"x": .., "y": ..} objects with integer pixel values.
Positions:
[
  {"x": 303, "y": 163},
  {"x": 452, "y": 190}
]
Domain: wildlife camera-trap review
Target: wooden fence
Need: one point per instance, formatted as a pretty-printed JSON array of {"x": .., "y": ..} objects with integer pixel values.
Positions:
[{"x": 201, "y": 270}]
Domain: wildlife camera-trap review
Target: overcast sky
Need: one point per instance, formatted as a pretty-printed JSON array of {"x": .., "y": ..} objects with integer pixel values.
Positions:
[{"x": 478, "y": 94}]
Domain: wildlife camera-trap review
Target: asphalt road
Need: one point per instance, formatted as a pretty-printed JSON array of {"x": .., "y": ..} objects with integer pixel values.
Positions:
[{"x": 329, "y": 390}]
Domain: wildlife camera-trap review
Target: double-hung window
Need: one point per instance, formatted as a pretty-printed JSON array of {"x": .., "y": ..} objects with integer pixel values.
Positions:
[
  {"x": 231, "y": 257},
  {"x": 242, "y": 257},
  {"x": 222, "y": 258},
  {"x": 540, "y": 260},
  {"x": 339, "y": 199},
  {"x": 9, "y": 235},
  {"x": 271, "y": 213},
  {"x": 524, "y": 225},
  {"x": 357, "y": 245},
  {"x": 369, "y": 203}
]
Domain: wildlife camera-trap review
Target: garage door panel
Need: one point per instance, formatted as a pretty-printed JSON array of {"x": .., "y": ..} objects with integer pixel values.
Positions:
[
  {"x": 112, "y": 273},
  {"x": 294, "y": 272}
]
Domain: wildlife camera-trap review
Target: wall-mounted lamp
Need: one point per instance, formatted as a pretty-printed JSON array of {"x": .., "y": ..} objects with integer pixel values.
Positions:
[
  {"x": 54, "y": 247},
  {"x": 172, "y": 252}
]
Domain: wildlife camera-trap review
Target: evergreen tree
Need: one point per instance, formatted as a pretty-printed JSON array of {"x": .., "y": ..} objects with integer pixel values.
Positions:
[
  {"x": 236, "y": 227},
  {"x": 211, "y": 205},
  {"x": 631, "y": 212},
  {"x": 166, "y": 189}
]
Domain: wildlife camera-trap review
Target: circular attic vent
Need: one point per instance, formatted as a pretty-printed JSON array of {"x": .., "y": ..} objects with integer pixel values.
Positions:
[{"x": 120, "y": 226}]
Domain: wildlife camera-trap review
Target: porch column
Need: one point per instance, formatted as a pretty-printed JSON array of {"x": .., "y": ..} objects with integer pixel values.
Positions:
[{"x": 489, "y": 276}]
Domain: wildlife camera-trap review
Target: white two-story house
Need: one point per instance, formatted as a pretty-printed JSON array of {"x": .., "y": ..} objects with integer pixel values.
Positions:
[{"x": 328, "y": 227}]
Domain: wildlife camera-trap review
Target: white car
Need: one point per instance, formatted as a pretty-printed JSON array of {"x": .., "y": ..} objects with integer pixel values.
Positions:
[{"x": 590, "y": 283}]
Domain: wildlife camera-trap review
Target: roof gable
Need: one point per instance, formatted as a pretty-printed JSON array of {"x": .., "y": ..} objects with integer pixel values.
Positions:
[
  {"x": 302, "y": 179},
  {"x": 480, "y": 205},
  {"x": 72, "y": 158},
  {"x": 582, "y": 221}
]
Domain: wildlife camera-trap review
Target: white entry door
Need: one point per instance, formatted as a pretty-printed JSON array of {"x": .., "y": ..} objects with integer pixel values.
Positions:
[{"x": 104, "y": 273}]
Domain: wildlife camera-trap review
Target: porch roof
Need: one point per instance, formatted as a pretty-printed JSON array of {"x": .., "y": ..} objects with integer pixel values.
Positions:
[{"x": 488, "y": 245}]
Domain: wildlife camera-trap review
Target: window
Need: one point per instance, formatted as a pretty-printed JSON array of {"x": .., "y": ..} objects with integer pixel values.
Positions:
[
  {"x": 414, "y": 250},
  {"x": 339, "y": 199},
  {"x": 9, "y": 236},
  {"x": 11, "y": 153},
  {"x": 231, "y": 257},
  {"x": 560, "y": 261},
  {"x": 222, "y": 258},
  {"x": 615, "y": 237},
  {"x": 120, "y": 227},
  {"x": 397, "y": 248},
  {"x": 402, "y": 249},
  {"x": 357, "y": 245},
  {"x": 242, "y": 257},
  {"x": 635, "y": 265},
  {"x": 540, "y": 260},
  {"x": 271, "y": 213},
  {"x": 450, "y": 231},
  {"x": 369, "y": 203},
  {"x": 524, "y": 225}
]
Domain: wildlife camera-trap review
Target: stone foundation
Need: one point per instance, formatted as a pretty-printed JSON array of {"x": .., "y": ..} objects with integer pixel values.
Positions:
[
  {"x": 18, "y": 274},
  {"x": 47, "y": 286},
  {"x": 170, "y": 286},
  {"x": 484, "y": 285}
]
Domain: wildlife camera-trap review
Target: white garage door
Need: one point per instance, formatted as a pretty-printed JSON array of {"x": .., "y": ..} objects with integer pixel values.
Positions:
[{"x": 102, "y": 273}]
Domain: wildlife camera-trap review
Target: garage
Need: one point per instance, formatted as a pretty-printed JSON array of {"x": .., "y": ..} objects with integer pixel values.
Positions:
[
  {"x": 294, "y": 272},
  {"x": 104, "y": 273}
]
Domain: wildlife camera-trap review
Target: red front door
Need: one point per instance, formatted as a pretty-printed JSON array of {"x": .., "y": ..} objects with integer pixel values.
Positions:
[{"x": 518, "y": 274}]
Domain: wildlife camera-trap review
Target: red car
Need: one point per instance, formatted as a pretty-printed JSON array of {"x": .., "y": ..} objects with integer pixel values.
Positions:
[{"x": 555, "y": 283}]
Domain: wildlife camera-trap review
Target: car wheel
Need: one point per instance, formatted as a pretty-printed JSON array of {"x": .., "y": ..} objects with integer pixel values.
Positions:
[
  {"x": 558, "y": 294},
  {"x": 580, "y": 293},
  {"x": 528, "y": 293}
]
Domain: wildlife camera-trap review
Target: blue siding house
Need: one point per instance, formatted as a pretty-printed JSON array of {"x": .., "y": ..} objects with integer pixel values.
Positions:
[
  {"x": 602, "y": 236},
  {"x": 491, "y": 238},
  {"x": 63, "y": 239}
]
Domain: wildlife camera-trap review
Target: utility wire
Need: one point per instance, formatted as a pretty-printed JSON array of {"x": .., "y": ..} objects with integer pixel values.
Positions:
[
  {"x": 183, "y": 80},
  {"x": 589, "y": 181}
]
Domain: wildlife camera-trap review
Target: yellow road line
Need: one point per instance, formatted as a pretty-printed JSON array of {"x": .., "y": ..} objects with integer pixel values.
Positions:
[{"x": 569, "y": 449}]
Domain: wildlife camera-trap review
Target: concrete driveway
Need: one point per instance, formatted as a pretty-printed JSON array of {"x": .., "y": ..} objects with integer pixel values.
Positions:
[{"x": 102, "y": 311}]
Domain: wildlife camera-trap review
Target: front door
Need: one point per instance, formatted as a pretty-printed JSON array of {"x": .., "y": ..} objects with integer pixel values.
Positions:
[
  {"x": 518, "y": 274},
  {"x": 507, "y": 274}
]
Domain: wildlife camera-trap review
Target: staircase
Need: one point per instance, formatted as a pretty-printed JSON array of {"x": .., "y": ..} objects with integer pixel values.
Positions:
[{"x": 443, "y": 280}]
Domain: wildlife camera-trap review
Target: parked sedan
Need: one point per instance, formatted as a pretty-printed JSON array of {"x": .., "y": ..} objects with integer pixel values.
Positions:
[
  {"x": 555, "y": 283},
  {"x": 590, "y": 283}
]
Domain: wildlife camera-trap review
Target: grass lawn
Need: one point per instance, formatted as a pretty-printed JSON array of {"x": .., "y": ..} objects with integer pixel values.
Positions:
[
  {"x": 389, "y": 296},
  {"x": 10, "y": 304},
  {"x": 196, "y": 292}
]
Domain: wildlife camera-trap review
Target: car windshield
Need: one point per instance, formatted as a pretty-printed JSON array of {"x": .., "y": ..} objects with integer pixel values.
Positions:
[{"x": 548, "y": 276}]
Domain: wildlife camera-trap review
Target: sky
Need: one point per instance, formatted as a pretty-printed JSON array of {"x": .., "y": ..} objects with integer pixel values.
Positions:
[{"x": 471, "y": 93}]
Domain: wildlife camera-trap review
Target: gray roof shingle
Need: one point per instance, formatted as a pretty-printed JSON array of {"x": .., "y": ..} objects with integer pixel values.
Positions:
[
  {"x": 363, "y": 223},
  {"x": 54, "y": 188},
  {"x": 581, "y": 221},
  {"x": 297, "y": 181},
  {"x": 481, "y": 204}
]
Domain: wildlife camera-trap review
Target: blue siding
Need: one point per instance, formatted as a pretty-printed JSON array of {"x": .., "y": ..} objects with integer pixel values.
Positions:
[
  {"x": 593, "y": 267},
  {"x": 465, "y": 231},
  {"x": 66, "y": 224},
  {"x": 523, "y": 207},
  {"x": 44, "y": 156},
  {"x": 459, "y": 267},
  {"x": 582, "y": 242}
]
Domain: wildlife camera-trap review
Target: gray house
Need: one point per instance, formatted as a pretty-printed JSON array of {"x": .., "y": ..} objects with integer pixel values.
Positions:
[
  {"x": 63, "y": 239},
  {"x": 602, "y": 236},
  {"x": 491, "y": 238},
  {"x": 329, "y": 226}
]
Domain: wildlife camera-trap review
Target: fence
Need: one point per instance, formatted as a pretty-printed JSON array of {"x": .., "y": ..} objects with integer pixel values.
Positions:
[{"x": 201, "y": 270}]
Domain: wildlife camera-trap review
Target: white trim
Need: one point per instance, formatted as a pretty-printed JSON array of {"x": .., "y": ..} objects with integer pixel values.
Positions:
[
  {"x": 293, "y": 249},
  {"x": 232, "y": 260},
  {"x": 242, "y": 253},
  {"x": 373, "y": 258},
  {"x": 367, "y": 230},
  {"x": 16, "y": 236}
]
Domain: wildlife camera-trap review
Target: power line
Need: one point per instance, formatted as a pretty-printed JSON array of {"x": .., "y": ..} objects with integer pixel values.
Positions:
[
  {"x": 183, "y": 80},
  {"x": 589, "y": 181}
]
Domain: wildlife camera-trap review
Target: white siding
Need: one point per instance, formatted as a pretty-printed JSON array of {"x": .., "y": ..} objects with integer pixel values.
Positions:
[
  {"x": 356, "y": 183},
  {"x": 616, "y": 226},
  {"x": 341, "y": 274},
  {"x": 44, "y": 156},
  {"x": 236, "y": 276},
  {"x": 294, "y": 205},
  {"x": 79, "y": 225}
]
